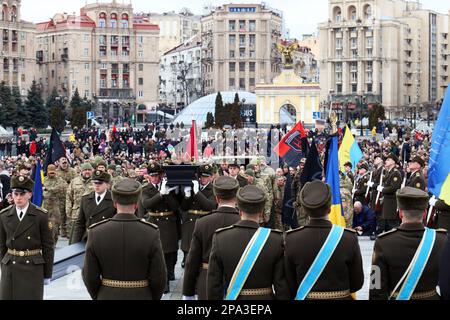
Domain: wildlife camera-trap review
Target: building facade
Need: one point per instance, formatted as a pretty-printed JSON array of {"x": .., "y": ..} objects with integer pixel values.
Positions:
[
  {"x": 17, "y": 51},
  {"x": 181, "y": 76},
  {"x": 109, "y": 54},
  {"x": 239, "y": 47},
  {"x": 383, "y": 51}
]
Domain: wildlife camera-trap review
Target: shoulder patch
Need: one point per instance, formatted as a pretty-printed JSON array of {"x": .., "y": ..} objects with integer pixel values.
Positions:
[
  {"x": 6, "y": 209},
  {"x": 295, "y": 230},
  {"x": 350, "y": 230},
  {"x": 98, "y": 223},
  {"x": 437, "y": 230},
  {"x": 387, "y": 233},
  {"x": 223, "y": 229},
  {"x": 149, "y": 224}
]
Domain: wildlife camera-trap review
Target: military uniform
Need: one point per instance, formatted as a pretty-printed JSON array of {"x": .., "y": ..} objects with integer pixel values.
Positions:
[
  {"x": 76, "y": 190},
  {"x": 444, "y": 272},
  {"x": 442, "y": 211},
  {"x": 361, "y": 189},
  {"x": 346, "y": 197},
  {"x": 26, "y": 249},
  {"x": 278, "y": 208},
  {"x": 416, "y": 180},
  {"x": 194, "y": 281},
  {"x": 124, "y": 258},
  {"x": 54, "y": 200},
  {"x": 67, "y": 175},
  {"x": 394, "y": 251},
  {"x": 343, "y": 273}
]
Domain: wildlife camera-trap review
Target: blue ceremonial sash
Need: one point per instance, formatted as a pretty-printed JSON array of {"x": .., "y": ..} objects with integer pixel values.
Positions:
[
  {"x": 418, "y": 264},
  {"x": 247, "y": 262},
  {"x": 320, "y": 262}
]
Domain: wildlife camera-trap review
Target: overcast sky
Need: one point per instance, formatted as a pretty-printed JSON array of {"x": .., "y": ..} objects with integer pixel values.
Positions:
[{"x": 301, "y": 16}]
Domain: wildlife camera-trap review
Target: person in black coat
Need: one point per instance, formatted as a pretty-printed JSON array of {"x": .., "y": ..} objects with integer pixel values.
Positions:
[{"x": 444, "y": 272}]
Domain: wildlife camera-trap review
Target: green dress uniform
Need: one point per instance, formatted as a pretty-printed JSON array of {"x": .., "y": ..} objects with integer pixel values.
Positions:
[
  {"x": 389, "y": 216},
  {"x": 416, "y": 180},
  {"x": 443, "y": 215},
  {"x": 361, "y": 189}
]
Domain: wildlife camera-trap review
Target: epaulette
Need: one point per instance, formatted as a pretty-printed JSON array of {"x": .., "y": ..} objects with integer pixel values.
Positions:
[
  {"x": 98, "y": 223},
  {"x": 6, "y": 209},
  {"x": 149, "y": 224},
  {"x": 437, "y": 230},
  {"x": 277, "y": 231},
  {"x": 41, "y": 209},
  {"x": 387, "y": 233},
  {"x": 350, "y": 230},
  {"x": 223, "y": 229},
  {"x": 295, "y": 230}
]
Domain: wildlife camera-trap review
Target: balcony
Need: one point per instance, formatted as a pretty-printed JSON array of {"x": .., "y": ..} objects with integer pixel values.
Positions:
[{"x": 112, "y": 93}]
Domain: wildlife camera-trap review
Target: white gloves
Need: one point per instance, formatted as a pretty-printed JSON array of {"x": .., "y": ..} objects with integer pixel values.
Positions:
[
  {"x": 370, "y": 184},
  {"x": 187, "y": 192},
  {"x": 380, "y": 188},
  {"x": 166, "y": 190},
  {"x": 47, "y": 282},
  {"x": 185, "y": 298},
  {"x": 196, "y": 187},
  {"x": 353, "y": 191},
  {"x": 433, "y": 201}
]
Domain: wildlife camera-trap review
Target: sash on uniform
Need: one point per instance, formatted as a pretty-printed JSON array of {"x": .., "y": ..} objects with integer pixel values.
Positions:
[
  {"x": 416, "y": 267},
  {"x": 247, "y": 262},
  {"x": 320, "y": 262}
]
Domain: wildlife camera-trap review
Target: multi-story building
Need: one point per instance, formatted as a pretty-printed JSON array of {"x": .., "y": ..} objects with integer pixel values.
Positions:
[
  {"x": 305, "y": 64},
  {"x": 181, "y": 77},
  {"x": 109, "y": 54},
  {"x": 239, "y": 47},
  {"x": 17, "y": 50},
  {"x": 175, "y": 28},
  {"x": 382, "y": 51}
]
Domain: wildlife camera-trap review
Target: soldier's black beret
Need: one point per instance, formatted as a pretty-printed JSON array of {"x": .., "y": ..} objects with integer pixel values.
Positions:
[
  {"x": 126, "y": 192},
  {"x": 419, "y": 160},
  {"x": 101, "y": 176},
  {"x": 154, "y": 168},
  {"x": 251, "y": 199},
  {"x": 206, "y": 170},
  {"x": 393, "y": 157},
  {"x": 410, "y": 198},
  {"x": 225, "y": 187},
  {"x": 316, "y": 198},
  {"x": 22, "y": 184}
]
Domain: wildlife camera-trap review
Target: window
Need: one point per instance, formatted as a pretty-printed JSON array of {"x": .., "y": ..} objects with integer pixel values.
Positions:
[
  {"x": 232, "y": 67},
  {"x": 125, "y": 21},
  {"x": 86, "y": 37},
  {"x": 241, "y": 25},
  {"x": 232, "y": 54},
  {"x": 87, "y": 66},
  {"x": 252, "y": 54},
  {"x": 339, "y": 88},
  {"x": 141, "y": 39},
  {"x": 242, "y": 53},
  {"x": 102, "y": 83},
  {"x": 242, "y": 41},
  {"x": 232, "y": 25},
  {"x": 86, "y": 93},
  {"x": 102, "y": 40},
  {"x": 252, "y": 25},
  {"x": 141, "y": 54},
  {"x": 369, "y": 42},
  {"x": 231, "y": 82},
  {"x": 252, "y": 66},
  {"x": 232, "y": 40},
  {"x": 113, "y": 21},
  {"x": 87, "y": 80},
  {"x": 141, "y": 67},
  {"x": 252, "y": 82},
  {"x": 242, "y": 83},
  {"x": 354, "y": 88},
  {"x": 86, "y": 52},
  {"x": 339, "y": 44},
  {"x": 242, "y": 66},
  {"x": 141, "y": 81},
  {"x": 252, "y": 40},
  {"x": 369, "y": 53},
  {"x": 141, "y": 94},
  {"x": 102, "y": 20}
]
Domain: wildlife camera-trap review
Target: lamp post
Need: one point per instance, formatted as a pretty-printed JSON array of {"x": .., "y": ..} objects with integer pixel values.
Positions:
[{"x": 361, "y": 104}]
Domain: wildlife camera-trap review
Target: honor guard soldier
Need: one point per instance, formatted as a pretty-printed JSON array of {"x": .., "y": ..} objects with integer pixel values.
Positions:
[
  {"x": 359, "y": 193},
  {"x": 124, "y": 257},
  {"x": 246, "y": 260},
  {"x": 194, "y": 282},
  {"x": 233, "y": 169},
  {"x": 160, "y": 207},
  {"x": 26, "y": 246},
  {"x": 341, "y": 273},
  {"x": 416, "y": 180},
  {"x": 442, "y": 213},
  {"x": 198, "y": 201},
  {"x": 444, "y": 272},
  {"x": 95, "y": 207},
  {"x": 405, "y": 263},
  {"x": 377, "y": 176},
  {"x": 391, "y": 183}
]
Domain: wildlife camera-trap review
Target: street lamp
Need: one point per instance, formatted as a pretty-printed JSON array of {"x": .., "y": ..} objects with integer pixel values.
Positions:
[{"x": 361, "y": 101}]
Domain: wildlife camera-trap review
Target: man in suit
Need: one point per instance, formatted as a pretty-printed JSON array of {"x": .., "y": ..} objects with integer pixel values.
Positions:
[
  {"x": 124, "y": 257},
  {"x": 95, "y": 207},
  {"x": 194, "y": 282},
  {"x": 198, "y": 201},
  {"x": 266, "y": 279},
  {"x": 394, "y": 250},
  {"x": 343, "y": 274},
  {"x": 159, "y": 206},
  {"x": 26, "y": 246}
]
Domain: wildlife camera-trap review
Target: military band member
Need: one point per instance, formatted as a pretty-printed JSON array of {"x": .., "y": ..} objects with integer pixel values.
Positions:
[
  {"x": 26, "y": 246},
  {"x": 395, "y": 250},
  {"x": 416, "y": 180},
  {"x": 160, "y": 207},
  {"x": 343, "y": 275},
  {"x": 95, "y": 206},
  {"x": 359, "y": 193},
  {"x": 266, "y": 280},
  {"x": 391, "y": 183},
  {"x": 199, "y": 201},
  {"x": 194, "y": 282},
  {"x": 124, "y": 257}
]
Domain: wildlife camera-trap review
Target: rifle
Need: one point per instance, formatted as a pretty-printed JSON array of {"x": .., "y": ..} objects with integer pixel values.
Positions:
[
  {"x": 370, "y": 180},
  {"x": 379, "y": 192},
  {"x": 430, "y": 211},
  {"x": 354, "y": 187}
]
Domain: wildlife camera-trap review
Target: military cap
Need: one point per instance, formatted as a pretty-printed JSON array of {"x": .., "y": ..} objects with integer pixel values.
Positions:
[
  {"x": 262, "y": 159},
  {"x": 250, "y": 167},
  {"x": 101, "y": 163},
  {"x": 348, "y": 164},
  {"x": 250, "y": 172},
  {"x": 418, "y": 160},
  {"x": 255, "y": 161},
  {"x": 126, "y": 192},
  {"x": 251, "y": 199},
  {"x": 206, "y": 170},
  {"x": 234, "y": 163},
  {"x": 86, "y": 166},
  {"x": 22, "y": 167},
  {"x": 393, "y": 157},
  {"x": 378, "y": 155},
  {"x": 51, "y": 168},
  {"x": 101, "y": 176},
  {"x": 22, "y": 184},
  {"x": 315, "y": 197},
  {"x": 410, "y": 198},
  {"x": 112, "y": 167},
  {"x": 154, "y": 168},
  {"x": 364, "y": 166},
  {"x": 225, "y": 187}
]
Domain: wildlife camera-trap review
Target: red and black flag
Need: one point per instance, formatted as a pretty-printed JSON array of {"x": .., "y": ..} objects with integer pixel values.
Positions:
[{"x": 294, "y": 146}]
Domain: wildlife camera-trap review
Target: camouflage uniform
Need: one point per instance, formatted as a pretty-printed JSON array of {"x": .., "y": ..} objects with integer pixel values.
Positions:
[
  {"x": 263, "y": 183},
  {"x": 278, "y": 203},
  {"x": 346, "y": 197},
  {"x": 54, "y": 201},
  {"x": 77, "y": 189},
  {"x": 66, "y": 175}
]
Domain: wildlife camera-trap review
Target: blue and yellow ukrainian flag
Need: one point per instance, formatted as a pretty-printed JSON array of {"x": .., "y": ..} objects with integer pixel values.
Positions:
[
  {"x": 38, "y": 192},
  {"x": 439, "y": 166},
  {"x": 349, "y": 151},
  {"x": 332, "y": 179}
]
